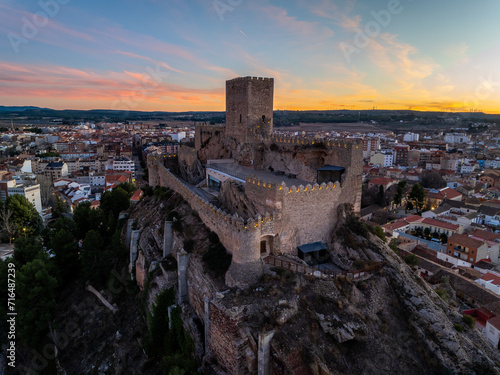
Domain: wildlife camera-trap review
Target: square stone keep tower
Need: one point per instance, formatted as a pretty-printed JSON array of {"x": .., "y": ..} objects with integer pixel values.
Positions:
[{"x": 249, "y": 108}]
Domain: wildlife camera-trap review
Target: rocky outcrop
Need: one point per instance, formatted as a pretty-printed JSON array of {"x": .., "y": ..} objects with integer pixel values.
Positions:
[
  {"x": 232, "y": 197},
  {"x": 388, "y": 322}
]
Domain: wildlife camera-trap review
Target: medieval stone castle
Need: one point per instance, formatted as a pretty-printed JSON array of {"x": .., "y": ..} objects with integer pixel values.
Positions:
[{"x": 265, "y": 194}]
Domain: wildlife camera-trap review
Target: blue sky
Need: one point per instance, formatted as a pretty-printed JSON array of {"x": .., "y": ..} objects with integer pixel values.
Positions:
[{"x": 175, "y": 55}]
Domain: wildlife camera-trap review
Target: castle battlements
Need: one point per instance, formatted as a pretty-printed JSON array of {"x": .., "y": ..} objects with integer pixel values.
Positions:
[
  {"x": 203, "y": 206},
  {"x": 247, "y": 78},
  {"x": 306, "y": 141},
  {"x": 294, "y": 210},
  {"x": 287, "y": 188}
]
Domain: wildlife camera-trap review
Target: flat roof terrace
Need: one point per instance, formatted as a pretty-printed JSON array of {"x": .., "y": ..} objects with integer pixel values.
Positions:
[{"x": 242, "y": 173}]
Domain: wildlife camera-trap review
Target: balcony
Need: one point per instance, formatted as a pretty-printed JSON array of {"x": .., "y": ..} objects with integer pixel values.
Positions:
[{"x": 459, "y": 248}]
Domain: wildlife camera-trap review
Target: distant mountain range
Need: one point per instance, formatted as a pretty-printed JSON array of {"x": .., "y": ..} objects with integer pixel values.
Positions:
[
  {"x": 37, "y": 115},
  {"x": 18, "y": 108}
]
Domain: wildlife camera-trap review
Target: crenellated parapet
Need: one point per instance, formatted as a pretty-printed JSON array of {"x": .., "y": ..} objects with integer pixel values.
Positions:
[
  {"x": 264, "y": 185},
  {"x": 338, "y": 143},
  {"x": 248, "y": 78},
  {"x": 206, "y": 208}
]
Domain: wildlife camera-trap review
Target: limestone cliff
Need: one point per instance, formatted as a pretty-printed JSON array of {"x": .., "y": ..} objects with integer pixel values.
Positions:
[{"x": 387, "y": 322}]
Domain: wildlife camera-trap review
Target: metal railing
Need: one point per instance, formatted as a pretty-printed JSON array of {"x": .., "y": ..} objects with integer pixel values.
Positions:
[{"x": 319, "y": 270}]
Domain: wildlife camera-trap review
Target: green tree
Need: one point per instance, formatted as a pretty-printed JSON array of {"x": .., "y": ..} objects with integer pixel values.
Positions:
[
  {"x": 117, "y": 247},
  {"x": 36, "y": 289},
  {"x": 27, "y": 249},
  {"x": 87, "y": 219},
  {"x": 66, "y": 255},
  {"x": 417, "y": 195},
  {"x": 427, "y": 232},
  {"x": 63, "y": 223},
  {"x": 24, "y": 215},
  {"x": 393, "y": 244},
  {"x": 129, "y": 187},
  {"x": 93, "y": 257},
  {"x": 379, "y": 232},
  {"x": 158, "y": 326},
  {"x": 115, "y": 201},
  {"x": 469, "y": 320},
  {"x": 409, "y": 206},
  {"x": 400, "y": 191},
  {"x": 443, "y": 238},
  {"x": 59, "y": 208},
  {"x": 411, "y": 260}
]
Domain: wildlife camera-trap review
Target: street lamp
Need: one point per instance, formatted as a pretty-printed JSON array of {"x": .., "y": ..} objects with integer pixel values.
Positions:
[{"x": 24, "y": 230}]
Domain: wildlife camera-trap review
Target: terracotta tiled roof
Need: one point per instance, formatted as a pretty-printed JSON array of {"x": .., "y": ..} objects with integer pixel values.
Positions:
[
  {"x": 413, "y": 218},
  {"x": 137, "y": 195},
  {"x": 446, "y": 193},
  {"x": 382, "y": 181},
  {"x": 485, "y": 235},
  {"x": 441, "y": 224},
  {"x": 495, "y": 322},
  {"x": 396, "y": 225},
  {"x": 465, "y": 240},
  {"x": 495, "y": 280}
]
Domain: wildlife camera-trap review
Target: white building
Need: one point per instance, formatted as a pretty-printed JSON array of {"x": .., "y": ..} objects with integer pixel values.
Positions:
[
  {"x": 382, "y": 158},
  {"x": 409, "y": 137},
  {"x": 177, "y": 136},
  {"x": 456, "y": 138},
  {"x": 32, "y": 193},
  {"x": 490, "y": 281},
  {"x": 493, "y": 164},
  {"x": 492, "y": 330},
  {"x": 97, "y": 179},
  {"x": 467, "y": 168},
  {"x": 124, "y": 164}
]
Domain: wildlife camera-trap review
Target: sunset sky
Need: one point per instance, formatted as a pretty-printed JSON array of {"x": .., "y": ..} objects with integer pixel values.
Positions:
[{"x": 175, "y": 55}]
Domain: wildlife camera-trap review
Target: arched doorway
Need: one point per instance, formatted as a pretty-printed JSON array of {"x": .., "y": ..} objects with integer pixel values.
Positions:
[{"x": 266, "y": 246}]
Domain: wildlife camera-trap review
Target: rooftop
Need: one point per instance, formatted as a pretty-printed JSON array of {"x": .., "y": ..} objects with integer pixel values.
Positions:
[
  {"x": 243, "y": 173},
  {"x": 441, "y": 224},
  {"x": 311, "y": 247},
  {"x": 464, "y": 240},
  {"x": 490, "y": 277}
]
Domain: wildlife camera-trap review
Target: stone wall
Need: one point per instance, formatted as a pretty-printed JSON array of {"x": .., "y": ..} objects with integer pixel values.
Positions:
[
  {"x": 225, "y": 341},
  {"x": 239, "y": 236},
  {"x": 344, "y": 153},
  {"x": 304, "y": 214},
  {"x": 292, "y": 215},
  {"x": 199, "y": 286}
]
